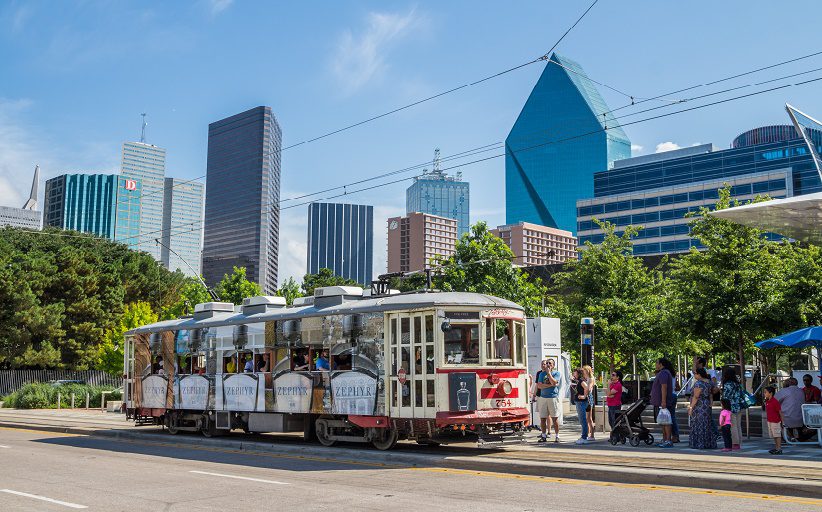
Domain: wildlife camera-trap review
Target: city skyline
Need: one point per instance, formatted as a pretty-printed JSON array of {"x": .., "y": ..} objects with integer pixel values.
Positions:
[{"x": 369, "y": 59}]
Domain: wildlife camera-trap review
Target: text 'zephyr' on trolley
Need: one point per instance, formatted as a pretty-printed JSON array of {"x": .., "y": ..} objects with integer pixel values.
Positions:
[{"x": 344, "y": 365}]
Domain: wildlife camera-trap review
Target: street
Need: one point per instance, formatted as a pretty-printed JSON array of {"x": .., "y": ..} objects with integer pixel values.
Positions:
[{"x": 48, "y": 471}]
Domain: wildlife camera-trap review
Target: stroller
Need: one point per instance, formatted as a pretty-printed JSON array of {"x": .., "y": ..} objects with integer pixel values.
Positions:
[{"x": 629, "y": 427}]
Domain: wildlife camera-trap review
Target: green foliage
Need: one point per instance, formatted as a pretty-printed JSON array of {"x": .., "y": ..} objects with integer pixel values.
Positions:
[
  {"x": 59, "y": 295},
  {"x": 614, "y": 288},
  {"x": 325, "y": 277},
  {"x": 290, "y": 289},
  {"x": 110, "y": 358},
  {"x": 41, "y": 395},
  {"x": 192, "y": 292},
  {"x": 481, "y": 263},
  {"x": 236, "y": 287}
]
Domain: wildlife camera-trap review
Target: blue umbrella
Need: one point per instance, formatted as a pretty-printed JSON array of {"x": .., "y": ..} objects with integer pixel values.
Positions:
[{"x": 803, "y": 338}]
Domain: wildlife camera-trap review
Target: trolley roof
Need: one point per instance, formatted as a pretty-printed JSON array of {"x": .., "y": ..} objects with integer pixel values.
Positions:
[{"x": 376, "y": 305}]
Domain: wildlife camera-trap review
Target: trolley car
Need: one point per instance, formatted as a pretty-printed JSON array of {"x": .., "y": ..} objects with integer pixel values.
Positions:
[{"x": 339, "y": 366}]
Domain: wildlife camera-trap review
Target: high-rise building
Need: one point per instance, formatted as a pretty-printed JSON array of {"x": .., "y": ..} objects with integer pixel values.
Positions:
[
  {"x": 147, "y": 164},
  {"x": 657, "y": 191},
  {"x": 90, "y": 203},
  {"x": 28, "y": 216},
  {"x": 341, "y": 238},
  {"x": 533, "y": 244},
  {"x": 416, "y": 240},
  {"x": 182, "y": 226},
  {"x": 437, "y": 193},
  {"x": 556, "y": 145},
  {"x": 242, "y": 215}
]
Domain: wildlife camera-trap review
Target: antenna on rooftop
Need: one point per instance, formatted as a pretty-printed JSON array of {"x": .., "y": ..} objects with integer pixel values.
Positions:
[
  {"x": 436, "y": 162},
  {"x": 143, "y": 131}
]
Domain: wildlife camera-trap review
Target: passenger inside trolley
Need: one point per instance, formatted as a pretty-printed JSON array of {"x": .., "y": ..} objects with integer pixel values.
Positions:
[
  {"x": 458, "y": 341},
  {"x": 301, "y": 360},
  {"x": 321, "y": 364},
  {"x": 230, "y": 364}
]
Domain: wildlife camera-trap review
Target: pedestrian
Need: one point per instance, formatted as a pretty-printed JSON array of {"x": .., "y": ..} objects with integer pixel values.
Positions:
[
  {"x": 614, "y": 399},
  {"x": 548, "y": 403},
  {"x": 702, "y": 435},
  {"x": 725, "y": 422},
  {"x": 661, "y": 397},
  {"x": 732, "y": 392},
  {"x": 812, "y": 393},
  {"x": 592, "y": 400},
  {"x": 773, "y": 411},
  {"x": 581, "y": 391}
]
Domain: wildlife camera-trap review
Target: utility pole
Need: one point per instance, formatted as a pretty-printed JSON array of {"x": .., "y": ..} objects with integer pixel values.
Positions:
[{"x": 143, "y": 131}]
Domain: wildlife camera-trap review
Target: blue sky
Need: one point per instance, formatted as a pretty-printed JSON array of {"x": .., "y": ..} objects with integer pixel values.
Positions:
[{"x": 75, "y": 76}]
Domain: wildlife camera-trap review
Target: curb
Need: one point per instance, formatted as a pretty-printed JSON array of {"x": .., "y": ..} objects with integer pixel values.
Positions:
[{"x": 760, "y": 485}]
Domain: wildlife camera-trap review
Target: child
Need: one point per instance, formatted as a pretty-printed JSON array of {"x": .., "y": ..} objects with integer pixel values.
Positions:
[
  {"x": 773, "y": 410},
  {"x": 725, "y": 425}
]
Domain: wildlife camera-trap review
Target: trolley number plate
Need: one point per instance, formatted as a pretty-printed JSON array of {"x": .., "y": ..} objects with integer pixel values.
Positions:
[{"x": 500, "y": 403}]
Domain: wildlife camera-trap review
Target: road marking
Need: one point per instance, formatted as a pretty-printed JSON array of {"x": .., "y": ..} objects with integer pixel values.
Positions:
[
  {"x": 239, "y": 477},
  {"x": 43, "y": 498},
  {"x": 4, "y": 446}
]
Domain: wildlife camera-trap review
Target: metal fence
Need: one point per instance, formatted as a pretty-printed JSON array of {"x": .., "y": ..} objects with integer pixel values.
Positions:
[{"x": 12, "y": 380}]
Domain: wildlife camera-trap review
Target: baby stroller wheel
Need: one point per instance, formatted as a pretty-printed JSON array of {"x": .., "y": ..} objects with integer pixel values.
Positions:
[
  {"x": 622, "y": 439},
  {"x": 649, "y": 440},
  {"x": 613, "y": 440},
  {"x": 635, "y": 441}
]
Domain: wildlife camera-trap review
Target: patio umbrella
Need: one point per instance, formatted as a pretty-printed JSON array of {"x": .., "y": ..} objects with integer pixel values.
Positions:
[{"x": 803, "y": 338}]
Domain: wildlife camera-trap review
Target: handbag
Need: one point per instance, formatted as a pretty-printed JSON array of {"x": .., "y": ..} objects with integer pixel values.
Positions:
[
  {"x": 664, "y": 417},
  {"x": 748, "y": 400}
]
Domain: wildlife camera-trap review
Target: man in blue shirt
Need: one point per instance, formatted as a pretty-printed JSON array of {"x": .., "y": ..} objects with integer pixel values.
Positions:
[
  {"x": 321, "y": 364},
  {"x": 548, "y": 403}
]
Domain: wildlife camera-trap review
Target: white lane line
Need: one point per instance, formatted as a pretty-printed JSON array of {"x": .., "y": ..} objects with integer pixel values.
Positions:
[
  {"x": 43, "y": 498},
  {"x": 4, "y": 446},
  {"x": 240, "y": 477}
]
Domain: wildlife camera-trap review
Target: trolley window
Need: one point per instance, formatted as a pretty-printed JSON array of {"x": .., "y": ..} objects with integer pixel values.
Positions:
[
  {"x": 461, "y": 344},
  {"x": 499, "y": 341}
]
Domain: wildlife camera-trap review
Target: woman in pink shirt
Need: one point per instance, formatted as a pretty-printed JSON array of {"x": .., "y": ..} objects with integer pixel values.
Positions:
[{"x": 614, "y": 399}]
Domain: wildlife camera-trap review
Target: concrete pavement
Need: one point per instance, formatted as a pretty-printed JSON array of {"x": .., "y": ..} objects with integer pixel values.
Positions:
[
  {"x": 746, "y": 471},
  {"x": 52, "y": 471}
]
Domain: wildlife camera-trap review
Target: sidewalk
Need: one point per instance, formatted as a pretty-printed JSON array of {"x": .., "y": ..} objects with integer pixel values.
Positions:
[{"x": 798, "y": 472}]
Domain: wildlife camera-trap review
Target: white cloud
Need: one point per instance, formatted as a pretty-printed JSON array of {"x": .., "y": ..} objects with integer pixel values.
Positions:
[
  {"x": 362, "y": 57},
  {"x": 636, "y": 148},
  {"x": 18, "y": 153},
  {"x": 218, "y": 6},
  {"x": 666, "y": 146}
]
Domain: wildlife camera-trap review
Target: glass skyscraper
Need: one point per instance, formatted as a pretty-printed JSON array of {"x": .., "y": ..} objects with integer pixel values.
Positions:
[
  {"x": 437, "y": 193},
  {"x": 556, "y": 145},
  {"x": 657, "y": 191},
  {"x": 106, "y": 205},
  {"x": 147, "y": 163},
  {"x": 182, "y": 226},
  {"x": 341, "y": 238},
  {"x": 242, "y": 215}
]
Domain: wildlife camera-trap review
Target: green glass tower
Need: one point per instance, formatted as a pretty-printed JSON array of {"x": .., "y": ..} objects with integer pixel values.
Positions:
[{"x": 563, "y": 135}]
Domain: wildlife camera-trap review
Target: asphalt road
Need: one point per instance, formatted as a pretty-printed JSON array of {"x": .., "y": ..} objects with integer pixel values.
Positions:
[{"x": 47, "y": 471}]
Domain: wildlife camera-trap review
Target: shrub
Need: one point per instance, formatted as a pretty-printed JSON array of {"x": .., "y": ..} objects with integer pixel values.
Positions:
[{"x": 40, "y": 395}]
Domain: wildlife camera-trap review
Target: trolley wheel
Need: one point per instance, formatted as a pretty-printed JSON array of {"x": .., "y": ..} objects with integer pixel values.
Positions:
[
  {"x": 322, "y": 434},
  {"x": 209, "y": 429},
  {"x": 172, "y": 429},
  {"x": 634, "y": 441},
  {"x": 649, "y": 440},
  {"x": 386, "y": 439}
]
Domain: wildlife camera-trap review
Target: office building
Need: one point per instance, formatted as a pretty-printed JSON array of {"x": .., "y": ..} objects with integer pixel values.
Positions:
[
  {"x": 182, "y": 226},
  {"x": 146, "y": 163},
  {"x": 341, "y": 238},
  {"x": 242, "y": 216},
  {"x": 438, "y": 193},
  {"x": 556, "y": 145},
  {"x": 533, "y": 244},
  {"x": 657, "y": 191},
  {"x": 90, "y": 203},
  {"x": 418, "y": 239},
  {"x": 28, "y": 216}
]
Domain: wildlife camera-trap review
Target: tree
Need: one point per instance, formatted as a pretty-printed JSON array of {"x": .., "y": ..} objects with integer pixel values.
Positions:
[
  {"x": 192, "y": 293},
  {"x": 110, "y": 352},
  {"x": 614, "y": 288},
  {"x": 482, "y": 263},
  {"x": 731, "y": 294},
  {"x": 325, "y": 277},
  {"x": 236, "y": 287},
  {"x": 290, "y": 289}
]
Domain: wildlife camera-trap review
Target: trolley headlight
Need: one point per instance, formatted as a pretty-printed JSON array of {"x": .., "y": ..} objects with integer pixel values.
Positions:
[{"x": 505, "y": 388}]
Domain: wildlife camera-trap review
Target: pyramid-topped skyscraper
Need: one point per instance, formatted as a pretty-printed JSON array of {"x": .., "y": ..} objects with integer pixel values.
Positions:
[{"x": 556, "y": 145}]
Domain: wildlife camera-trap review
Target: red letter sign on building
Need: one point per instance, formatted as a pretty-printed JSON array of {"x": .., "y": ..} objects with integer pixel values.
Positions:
[{"x": 131, "y": 185}]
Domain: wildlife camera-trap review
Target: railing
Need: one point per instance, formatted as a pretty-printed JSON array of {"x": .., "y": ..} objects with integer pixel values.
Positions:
[{"x": 12, "y": 380}]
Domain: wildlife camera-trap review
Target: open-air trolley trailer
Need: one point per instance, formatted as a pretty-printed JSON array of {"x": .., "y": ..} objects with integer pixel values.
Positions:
[{"x": 343, "y": 367}]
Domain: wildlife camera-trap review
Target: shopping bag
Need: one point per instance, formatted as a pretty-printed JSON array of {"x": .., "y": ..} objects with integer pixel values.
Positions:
[
  {"x": 664, "y": 417},
  {"x": 748, "y": 400}
]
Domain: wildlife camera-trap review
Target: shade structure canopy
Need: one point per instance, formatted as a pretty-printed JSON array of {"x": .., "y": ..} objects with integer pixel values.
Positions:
[
  {"x": 803, "y": 338},
  {"x": 798, "y": 217}
]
